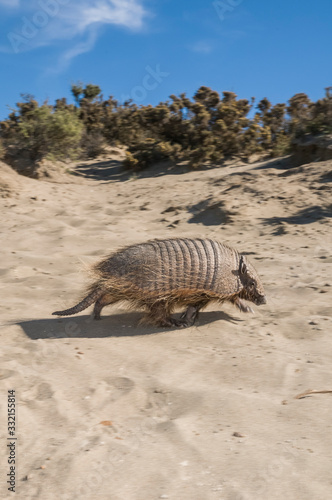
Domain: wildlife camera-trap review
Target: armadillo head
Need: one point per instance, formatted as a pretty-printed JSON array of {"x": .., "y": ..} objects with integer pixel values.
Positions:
[{"x": 252, "y": 287}]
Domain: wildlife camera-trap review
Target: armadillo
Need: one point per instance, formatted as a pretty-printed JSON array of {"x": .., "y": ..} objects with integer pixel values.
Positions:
[{"x": 160, "y": 275}]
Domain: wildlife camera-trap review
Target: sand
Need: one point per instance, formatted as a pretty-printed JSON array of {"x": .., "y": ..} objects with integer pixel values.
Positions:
[{"x": 116, "y": 411}]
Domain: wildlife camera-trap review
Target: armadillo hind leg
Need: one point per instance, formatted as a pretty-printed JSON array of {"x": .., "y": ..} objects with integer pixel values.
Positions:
[
  {"x": 103, "y": 301},
  {"x": 159, "y": 314}
]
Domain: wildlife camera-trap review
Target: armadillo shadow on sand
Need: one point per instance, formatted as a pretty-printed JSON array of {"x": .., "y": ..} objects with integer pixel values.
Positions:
[{"x": 160, "y": 275}]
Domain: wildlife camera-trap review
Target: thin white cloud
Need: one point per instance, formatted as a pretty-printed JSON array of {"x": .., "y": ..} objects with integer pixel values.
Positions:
[
  {"x": 51, "y": 22},
  {"x": 201, "y": 47},
  {"x": 127, "y": 13},
  {"x": 10, "y": 3},
  {"x": 78, "y": 49}
]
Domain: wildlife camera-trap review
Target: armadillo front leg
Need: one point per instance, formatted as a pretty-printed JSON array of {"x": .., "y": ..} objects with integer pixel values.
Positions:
[
  {"x": 242, "y": 305},
  {"x": 189, "y": 317}
]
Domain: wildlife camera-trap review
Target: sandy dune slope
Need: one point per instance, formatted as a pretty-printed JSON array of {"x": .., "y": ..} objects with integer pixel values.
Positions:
[{"x": 116, "y": 411}]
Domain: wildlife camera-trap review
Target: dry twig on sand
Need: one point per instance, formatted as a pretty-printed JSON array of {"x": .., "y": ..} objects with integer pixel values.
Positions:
[{"x": 311, "y": 391}]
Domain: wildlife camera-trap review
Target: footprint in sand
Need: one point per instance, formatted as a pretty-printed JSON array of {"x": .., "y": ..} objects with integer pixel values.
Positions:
[
  {"x": 6, "y": 374},
  {"x": 120, "y": 386},
  {"x": 76, "y": 222},
  {"x": 22, "y": 272}
]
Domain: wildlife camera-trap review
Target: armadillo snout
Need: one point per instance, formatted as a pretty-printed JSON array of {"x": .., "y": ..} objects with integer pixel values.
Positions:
[{"x": 261, "y": 300}]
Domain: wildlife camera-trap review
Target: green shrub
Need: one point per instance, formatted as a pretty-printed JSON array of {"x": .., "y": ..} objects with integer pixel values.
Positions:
[
  {"x": 281, "y": 146},
  {"x": 42, "y": 132},
  {"x": 93, "y": 144},
  {"x": 149, "y": 151},
  {"x": 2, "y": 150},
  {"x": 130, "y": 162}
]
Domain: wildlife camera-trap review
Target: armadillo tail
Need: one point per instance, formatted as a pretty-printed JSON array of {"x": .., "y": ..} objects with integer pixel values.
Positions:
[{"x": 86, "y": 302}]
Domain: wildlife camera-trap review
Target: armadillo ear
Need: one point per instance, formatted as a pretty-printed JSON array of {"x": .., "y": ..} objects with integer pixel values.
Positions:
[{"x": 242, "y": 266}]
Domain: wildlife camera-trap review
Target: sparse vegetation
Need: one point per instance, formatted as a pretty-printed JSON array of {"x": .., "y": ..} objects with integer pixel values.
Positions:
[
  {"x": 202, "y": 130},
  {"x": 2, "y": 150},
  {"x": 36, "y": 132}
]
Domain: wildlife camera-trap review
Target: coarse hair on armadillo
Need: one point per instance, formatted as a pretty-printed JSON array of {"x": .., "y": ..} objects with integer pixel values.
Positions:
[{"x": 160, "y": 275}]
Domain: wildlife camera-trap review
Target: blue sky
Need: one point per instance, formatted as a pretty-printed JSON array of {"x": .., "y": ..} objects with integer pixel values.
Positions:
[{"x": 149, "y": 49}]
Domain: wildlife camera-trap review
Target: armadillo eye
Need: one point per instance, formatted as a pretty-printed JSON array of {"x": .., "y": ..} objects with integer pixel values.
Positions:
[{"x": 252, "y": 283}]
